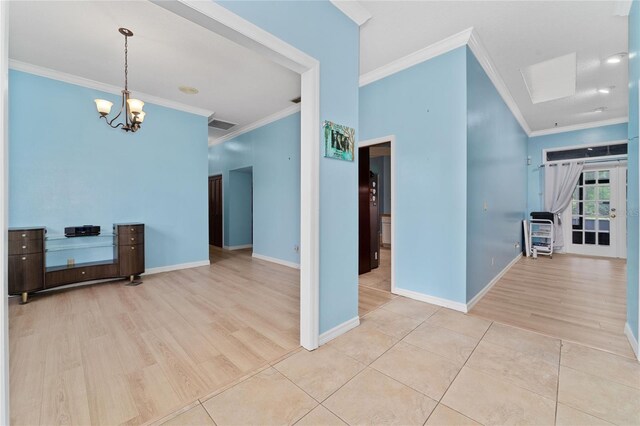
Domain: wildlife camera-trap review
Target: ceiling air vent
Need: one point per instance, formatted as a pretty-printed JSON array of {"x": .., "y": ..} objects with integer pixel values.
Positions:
[{"x": 219, "y": 124}]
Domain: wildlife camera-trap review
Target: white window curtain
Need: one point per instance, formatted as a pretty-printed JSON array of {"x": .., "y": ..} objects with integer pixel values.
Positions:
[{"x": 559, "y": 183}]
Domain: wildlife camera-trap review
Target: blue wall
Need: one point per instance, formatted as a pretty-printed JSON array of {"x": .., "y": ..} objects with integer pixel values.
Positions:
[
  {"x": 319, "y": 29},
  {"x": 273, "y": 152},
  {"x": 68, "y": 168},
  {"x": 425, "y": 107},
  {"x": 616, "y": 132},
  {"x": 496, "y": 175},
  {"x": 239, "y": 197},
  {"x": 633, "y": 205}
]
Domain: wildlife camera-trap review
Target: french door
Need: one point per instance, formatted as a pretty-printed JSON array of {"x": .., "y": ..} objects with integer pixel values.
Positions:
[{"x": 595, "y": 222}]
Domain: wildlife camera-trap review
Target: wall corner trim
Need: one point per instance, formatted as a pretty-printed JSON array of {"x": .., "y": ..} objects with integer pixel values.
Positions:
[
  {"x": 632, "y": 339},
  {"x": 354, "y": 11},
  {"x": 240, "y": 247},
  {"x": 436, "y": 49},
  {"x": 103, "y": 87},
  {"x": 339, "y": 330},
  {"x": 456, "y": 306},
  {"x": 176, "y": 267},
  {"x": 491, "y": 283},
  {"x": 276, "y": 260},
  {"x": 256, "y": 124}
]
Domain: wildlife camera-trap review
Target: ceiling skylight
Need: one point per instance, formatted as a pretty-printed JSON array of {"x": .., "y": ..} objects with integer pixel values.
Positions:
[{"x": 552, "y": 79}]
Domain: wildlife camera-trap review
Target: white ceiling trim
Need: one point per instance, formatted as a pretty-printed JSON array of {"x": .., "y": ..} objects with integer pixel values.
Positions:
[
  {"x": 489, "y": 67},
  {"x": 622, "y": 7},
  {"x": 354, "y": 10},
  {"x": 92, "y": 84},
  {"x": 436, "y": 49},
  {"x": 583, "y": 126},
  {"x": 256, "y": 124}
]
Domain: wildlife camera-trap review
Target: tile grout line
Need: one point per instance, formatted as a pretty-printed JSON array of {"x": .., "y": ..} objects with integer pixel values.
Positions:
[
  {"x": 555, "y": 418},
  {"x": 459, "y": 371}
]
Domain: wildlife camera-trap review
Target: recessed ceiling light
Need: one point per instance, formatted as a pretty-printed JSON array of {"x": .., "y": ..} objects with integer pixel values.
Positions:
[
  {"x": 188, "y": 90},
  {"x": 616, "y": 59},
  {"x": 600, "y": 109}
]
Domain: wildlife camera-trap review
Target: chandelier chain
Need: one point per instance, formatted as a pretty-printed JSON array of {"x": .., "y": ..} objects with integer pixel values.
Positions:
[{"x": 126, "y": 64}]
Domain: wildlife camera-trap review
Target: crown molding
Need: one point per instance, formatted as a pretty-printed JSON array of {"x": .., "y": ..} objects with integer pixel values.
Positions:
[
  {"x": 354, "y": 10},
  {"x": 436, "y": 49},
  {"x": 622, "y": 7},
  {"x": 583, "y": 126},
  {"x": 103, "y": 87},
  {"x": 489, "y": 67},
  {"x": 256, "y": 124}
]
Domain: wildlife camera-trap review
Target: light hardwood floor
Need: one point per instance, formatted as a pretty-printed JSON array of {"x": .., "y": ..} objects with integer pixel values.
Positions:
[
  {"x": 576, "y": 298},
  {"x": 111, "y": 354}
]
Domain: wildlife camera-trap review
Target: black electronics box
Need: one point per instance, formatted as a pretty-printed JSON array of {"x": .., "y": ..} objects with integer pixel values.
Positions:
[
  {"x": 543, "y": 215},
  {"x": 81, "y": 231}
]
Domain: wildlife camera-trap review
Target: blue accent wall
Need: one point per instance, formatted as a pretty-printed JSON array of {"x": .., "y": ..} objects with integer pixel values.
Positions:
[
  {"x": 615, "y": 132},
  {"x": 633, "y": 204},
  {"x": 273, "y": 153},
  {"x": 425, "y": 107},
  {"x": 67, "y": 167},
  {"x": 239, "y": 197},
  {"x": 496, "y": 175},
  {"x": 319, "y": 29}
]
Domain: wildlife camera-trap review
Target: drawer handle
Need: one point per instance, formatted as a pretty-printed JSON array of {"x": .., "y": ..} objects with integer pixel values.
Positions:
[
  {"x": 24, "y": 235},
  {"x": 82, "y": 272},
  {"x": 133, "y": 248},
  {"x": 133, "y": 239},
  {"x": 24, "y": 247},
  {"x": 24, "y": 257},
  {"x": 132, "y": 229}
]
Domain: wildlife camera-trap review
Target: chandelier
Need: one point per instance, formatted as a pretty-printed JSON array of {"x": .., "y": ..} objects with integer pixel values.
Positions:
[{"x": 132, "y": 108}]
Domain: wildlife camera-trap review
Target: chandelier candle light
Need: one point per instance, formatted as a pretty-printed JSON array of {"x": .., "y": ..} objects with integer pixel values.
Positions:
[{"x": 133, "y": 114}]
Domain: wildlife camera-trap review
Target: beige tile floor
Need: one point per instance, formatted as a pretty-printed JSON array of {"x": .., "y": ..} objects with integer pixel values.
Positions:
[{"x": 412, "y": 363}]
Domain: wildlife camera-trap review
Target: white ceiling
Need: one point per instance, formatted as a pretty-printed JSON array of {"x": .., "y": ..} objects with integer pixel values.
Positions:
[
  {"x": 81, "y": 38},
  {"x": 516, "y": 34}
]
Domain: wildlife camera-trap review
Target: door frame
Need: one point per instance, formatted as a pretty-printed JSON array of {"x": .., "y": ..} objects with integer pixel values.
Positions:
[
  {"x": 620, "y": 229},
  {"x": 222, "y": 21},
  {"x": 392, "y": 141},
  {"x": 222, "y": 200},
  {"x": 4, "y": 171}
]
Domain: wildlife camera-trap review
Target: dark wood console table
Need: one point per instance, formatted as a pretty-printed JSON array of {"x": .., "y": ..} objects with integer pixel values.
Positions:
[{"x": 27, "y": 259}]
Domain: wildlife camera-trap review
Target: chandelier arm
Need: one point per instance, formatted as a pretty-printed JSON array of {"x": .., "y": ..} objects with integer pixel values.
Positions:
[{"x": 110, "y": 123}]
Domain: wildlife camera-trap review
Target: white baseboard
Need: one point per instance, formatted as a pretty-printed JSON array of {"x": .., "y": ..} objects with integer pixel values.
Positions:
[
  {"x": 244, "y": 246},
  {"x": 338, "y": 330},
  {"x": 168, "y": 268},
  {"x": 495, "y": 279},
  {"x": 456, "y": 306},
  {"x": 632, "y": 339},
  {"x": 278, "y": 261}
]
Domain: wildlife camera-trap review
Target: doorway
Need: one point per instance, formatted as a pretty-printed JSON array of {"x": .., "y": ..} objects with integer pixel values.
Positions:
[
  {"x": 215, "y": 211},
  {"x": 598, "y": 211},
  {"x": 375, "y": 194}
]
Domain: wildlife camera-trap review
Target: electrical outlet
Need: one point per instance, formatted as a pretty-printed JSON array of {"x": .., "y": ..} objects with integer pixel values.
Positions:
[
  {"x": 296, "y": 248},
  {"x": 493, "y": 261}
]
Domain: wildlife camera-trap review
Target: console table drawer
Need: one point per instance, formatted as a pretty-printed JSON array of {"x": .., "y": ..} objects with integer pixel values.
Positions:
[
  {"x": 130, "y": 229},
  {"x": 25, "y": 246},
  {"x": 80, "y": 273},
  {"x": 26, "y": 273},
  {"x": 131, "y": 239},
  {"x": 30, "y": 234}
]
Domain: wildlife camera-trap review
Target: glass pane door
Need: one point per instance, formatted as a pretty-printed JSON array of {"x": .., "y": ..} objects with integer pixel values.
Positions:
[{"x": 590, "y": 209}]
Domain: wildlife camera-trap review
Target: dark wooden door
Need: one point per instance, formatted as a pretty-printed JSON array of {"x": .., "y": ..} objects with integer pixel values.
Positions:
[
  {"x": 215, "y": 211},
  {"x": 374, "y": 220},
  {"x": 364, "y": 222}
]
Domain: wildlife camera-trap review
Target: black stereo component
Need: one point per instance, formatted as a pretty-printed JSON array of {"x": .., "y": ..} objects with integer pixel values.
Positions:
[{"x": 81, "y": 231}]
